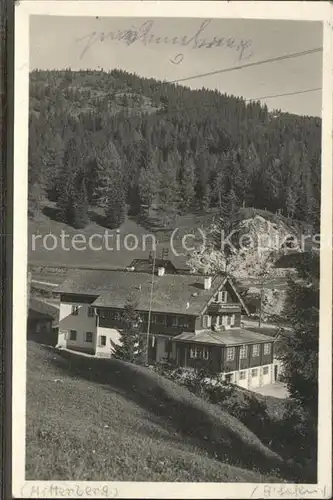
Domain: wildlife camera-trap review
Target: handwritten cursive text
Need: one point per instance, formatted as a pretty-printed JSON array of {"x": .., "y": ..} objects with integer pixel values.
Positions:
[
  {"x": 288, "y": 491},
  {"x": 56, "y": 490},
  {"x": 144, "y": 34}
]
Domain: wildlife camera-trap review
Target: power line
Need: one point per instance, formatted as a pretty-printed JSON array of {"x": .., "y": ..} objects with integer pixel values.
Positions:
[
  {"x": 249, "y": 65},
  {"x": 286, "y": 93}
]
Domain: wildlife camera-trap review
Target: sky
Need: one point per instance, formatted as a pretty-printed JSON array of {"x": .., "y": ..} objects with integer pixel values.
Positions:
[{"x": 157, "y": 48}]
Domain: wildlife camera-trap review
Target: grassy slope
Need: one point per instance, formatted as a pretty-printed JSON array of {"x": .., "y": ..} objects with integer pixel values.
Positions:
[
  {"x": 113, "y": 255},
  {"x": 91, "y": 419}
]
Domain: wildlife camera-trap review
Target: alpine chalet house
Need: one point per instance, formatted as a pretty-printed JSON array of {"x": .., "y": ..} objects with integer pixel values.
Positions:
[{"x": 195, "y": 320}]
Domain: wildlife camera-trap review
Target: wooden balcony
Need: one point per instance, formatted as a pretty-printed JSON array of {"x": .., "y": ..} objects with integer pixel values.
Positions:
[{"x": 225, "y": 307}]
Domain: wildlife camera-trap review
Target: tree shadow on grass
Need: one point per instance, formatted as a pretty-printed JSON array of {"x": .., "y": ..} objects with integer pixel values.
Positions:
[
  {"x": 100, "y": 220},
  {"x": 221, "y": 436},
  {"x": 52, "y": 213}
]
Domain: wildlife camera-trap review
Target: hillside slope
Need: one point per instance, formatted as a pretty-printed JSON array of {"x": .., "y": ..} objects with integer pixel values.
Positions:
[
  {"x": 159, "y": 149},
  {"x": 91, "y": 419}
]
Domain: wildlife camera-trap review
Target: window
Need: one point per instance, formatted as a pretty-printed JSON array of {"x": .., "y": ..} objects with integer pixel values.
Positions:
[
  {"x": 232, "y": 322},
  {"x": 265, "y": 370},
  {"x": 222, "y": 297},
  {"x": 206, "y": 321},
  {"x": 162, "y": 319},
  {"x": 205, "y": 353},
  {"x": 254, "y": 372},
  {"x": 75, "y": 310},
  {"x": 183, "y": 321},
  {"x": 102, "y": 341},
  {"x": 267, "y": 348},
  {"x": 91, "y": 312},
  {"x": 243, "y": 352},
  {"x": 154, "y": 319},
  {"x": 199, "y": 352},
  {"x": 89, "y": 337},
  {"x": 229, "y": 378},
  {"x": 230, "y": 353},
  {"x": 225, "y": 320},
  {"x": 242, "y": 375},
  {"x": 255, "y": 350},
  {"x": 193, "y": 352},
  {"x": 174, "y": 320},
  {"x": 72, "y": 335}
]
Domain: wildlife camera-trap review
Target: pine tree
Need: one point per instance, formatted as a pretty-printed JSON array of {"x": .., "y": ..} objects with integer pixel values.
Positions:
[
  {"x": 168, "y": 194},
  {"x": 108, "y": 166},
  {"x": 187, "y": 186},
  {"x": 229, "y": 210},
  {"x": 132, "y": 346},
  {"x": 226, "y": 223},
  {"x": 81, "y": 206},
  {"x": 206, "y": 199},
  {"x": 116, "y": 209},
  {"x": 299, "y": 354},
  {"x": 149, "y": 180},
  {"x": 73, "y": 202},
  {"x": 34, "y": 199},
  {"x": 300, "y": 349}
]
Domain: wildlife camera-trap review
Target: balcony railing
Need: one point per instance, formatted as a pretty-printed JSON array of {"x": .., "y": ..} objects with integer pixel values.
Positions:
[{"x": 223, "y": 307}]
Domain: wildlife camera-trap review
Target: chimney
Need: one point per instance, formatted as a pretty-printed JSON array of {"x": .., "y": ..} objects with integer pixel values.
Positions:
[
  {"x": 207, "y": 282},
  {"x": 161, "y": 271}
]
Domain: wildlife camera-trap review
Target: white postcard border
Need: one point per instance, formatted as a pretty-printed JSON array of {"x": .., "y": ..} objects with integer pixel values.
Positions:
[{"x": 310, "y": 11}]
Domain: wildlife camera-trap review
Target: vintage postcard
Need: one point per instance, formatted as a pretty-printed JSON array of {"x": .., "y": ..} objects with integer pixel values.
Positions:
[{"x": 172, "y": 311}]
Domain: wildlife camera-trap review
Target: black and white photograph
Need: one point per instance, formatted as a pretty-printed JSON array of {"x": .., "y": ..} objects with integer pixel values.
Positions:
[{"x": 172, "y": 314}]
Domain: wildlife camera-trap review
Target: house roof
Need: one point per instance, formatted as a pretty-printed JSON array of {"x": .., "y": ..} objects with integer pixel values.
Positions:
[
  {"x": 172, "y": 293},
  {"x": 233, "y": 336},
  {"x": 146, "y": 265},
  {"x": 39, "y": 309}
]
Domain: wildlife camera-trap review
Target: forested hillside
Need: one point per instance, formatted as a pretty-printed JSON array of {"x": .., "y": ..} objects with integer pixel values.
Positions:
[{"x": 126, "y": 144}]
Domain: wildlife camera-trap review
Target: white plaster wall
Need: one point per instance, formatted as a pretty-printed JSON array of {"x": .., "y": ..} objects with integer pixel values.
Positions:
[
  {"x": 250, "y": 382},
  {"x": 254, "y": 381},
  {"x": 244, "y": 382},
  {"x": 62, "y": 342},
  {"x": 267, "y": 379},
  {"x": 82, "y": 323},
  {"x": 110, "y": 334}
]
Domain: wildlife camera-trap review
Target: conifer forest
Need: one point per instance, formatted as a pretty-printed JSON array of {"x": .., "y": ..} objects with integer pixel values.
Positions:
[{"x": 129, "y": 145}]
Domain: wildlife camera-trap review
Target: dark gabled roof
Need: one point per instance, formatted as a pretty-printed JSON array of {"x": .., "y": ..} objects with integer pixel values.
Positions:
[
  {"x": 146, "y": 266},
  {"x": 39, "y": 309},
  {"x": 173, "y": 293},
  {"x": 228, "y": 280},
  {"x": 233, "y": 336}
]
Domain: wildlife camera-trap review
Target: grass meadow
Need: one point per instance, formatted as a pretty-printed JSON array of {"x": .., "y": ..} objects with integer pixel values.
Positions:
[{"x": 98, "y": 420}]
